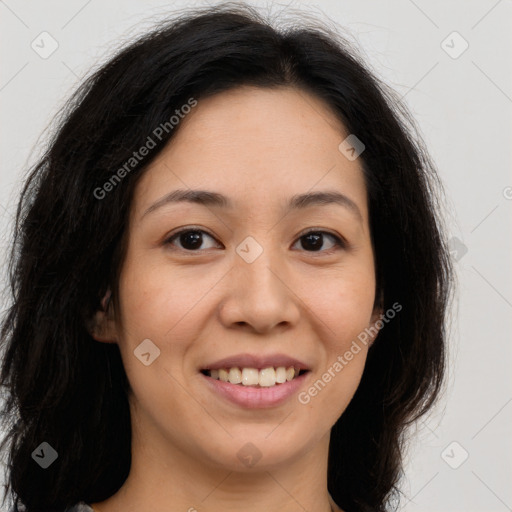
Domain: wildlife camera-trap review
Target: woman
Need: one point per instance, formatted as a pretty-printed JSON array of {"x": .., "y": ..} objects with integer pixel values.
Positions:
[{"x": 229, "y": 281}]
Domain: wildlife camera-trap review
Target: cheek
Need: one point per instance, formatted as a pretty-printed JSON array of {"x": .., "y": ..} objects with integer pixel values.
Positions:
[
  {"x": 155, "y": 300},
  {"x": 344, "y": 302},
  {"x": 327, "y": 398},
  {"x": 156, "y": 306},
  {"x": 169, "y": 308},
  {"x": 149, "y": 308},
  {"x": 345, "y": 306}
]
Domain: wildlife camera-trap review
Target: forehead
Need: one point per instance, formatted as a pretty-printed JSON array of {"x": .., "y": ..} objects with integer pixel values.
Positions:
[{"x": 256, "y": 145}]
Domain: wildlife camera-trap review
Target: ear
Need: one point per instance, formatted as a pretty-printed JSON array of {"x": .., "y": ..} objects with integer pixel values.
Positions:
[
  {"x": 378, "y": 310},
  {"x": 102, "y": 326}
]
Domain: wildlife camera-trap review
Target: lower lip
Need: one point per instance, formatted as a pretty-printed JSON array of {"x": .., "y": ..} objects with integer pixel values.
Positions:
[{"x": 256, "y": 398}]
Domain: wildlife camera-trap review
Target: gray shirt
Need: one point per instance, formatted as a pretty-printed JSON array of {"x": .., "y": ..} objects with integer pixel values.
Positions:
[{"x": 80, "y": 507}]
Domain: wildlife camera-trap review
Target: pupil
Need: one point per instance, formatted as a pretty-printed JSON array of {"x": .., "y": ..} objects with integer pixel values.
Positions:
[
  {"x": 317, "y": 241},
  {"x": 192, "y": 238}
]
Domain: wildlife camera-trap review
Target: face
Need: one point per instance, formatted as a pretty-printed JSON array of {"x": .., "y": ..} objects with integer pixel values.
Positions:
[{"x": 263, "y": 276}]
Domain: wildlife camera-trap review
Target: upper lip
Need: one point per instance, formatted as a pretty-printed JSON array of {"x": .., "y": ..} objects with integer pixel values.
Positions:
[{"x": 256, "y": 361}]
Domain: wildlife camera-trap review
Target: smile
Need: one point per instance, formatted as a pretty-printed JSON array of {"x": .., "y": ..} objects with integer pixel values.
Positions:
[
  {"x": 256, "y": 396},
  {"x": 267, "y": 377}
]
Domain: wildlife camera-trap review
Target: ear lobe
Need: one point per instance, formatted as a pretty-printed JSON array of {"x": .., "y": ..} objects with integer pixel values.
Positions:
[{"x": 102, "y": 326}]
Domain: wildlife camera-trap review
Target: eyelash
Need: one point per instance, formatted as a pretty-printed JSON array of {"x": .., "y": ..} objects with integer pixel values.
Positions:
[{"x": 339, "y": 243}]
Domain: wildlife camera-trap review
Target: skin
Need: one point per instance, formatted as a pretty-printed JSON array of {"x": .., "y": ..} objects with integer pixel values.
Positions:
[{"x": 258, "y": 147}]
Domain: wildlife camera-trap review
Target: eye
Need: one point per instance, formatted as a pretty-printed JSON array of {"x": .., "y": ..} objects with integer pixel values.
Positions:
[
  {"x": 312, "y": 241},
  {"x": 190, "y": 239}
]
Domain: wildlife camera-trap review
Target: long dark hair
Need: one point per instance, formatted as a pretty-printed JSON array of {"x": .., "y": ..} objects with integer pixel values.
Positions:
[{"x": 65, "y": 389}]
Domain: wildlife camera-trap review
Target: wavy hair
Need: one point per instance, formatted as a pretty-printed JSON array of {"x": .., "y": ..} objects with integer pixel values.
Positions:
[{"x": 68, "y": 246}]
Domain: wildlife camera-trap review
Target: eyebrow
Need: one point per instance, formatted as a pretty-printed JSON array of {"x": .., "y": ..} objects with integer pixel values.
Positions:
[{"x": 296, "y": 202}]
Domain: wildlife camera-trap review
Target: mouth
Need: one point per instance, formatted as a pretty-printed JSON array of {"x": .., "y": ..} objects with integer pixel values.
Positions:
[
  {"x": 254, "y": 377},
  {"x": 254, "y": 388}
]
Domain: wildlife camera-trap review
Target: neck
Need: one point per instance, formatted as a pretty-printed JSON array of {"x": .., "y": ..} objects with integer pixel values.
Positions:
[{"x": 166, "y": 477}]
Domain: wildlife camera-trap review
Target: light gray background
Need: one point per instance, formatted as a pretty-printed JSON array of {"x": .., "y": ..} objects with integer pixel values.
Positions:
[{"x": 463, "y": 107}]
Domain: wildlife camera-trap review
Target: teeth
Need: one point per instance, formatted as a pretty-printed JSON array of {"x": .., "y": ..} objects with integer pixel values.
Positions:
[
  {"x": 267, "y": 377},
  {"x": 281, "y": 375},
  {"x": 250, "y": 377},
  {"x": 235, "y": 376}
]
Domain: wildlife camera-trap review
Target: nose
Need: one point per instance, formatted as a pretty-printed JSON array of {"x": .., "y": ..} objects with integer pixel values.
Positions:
[{"x": 259, "y": 296}]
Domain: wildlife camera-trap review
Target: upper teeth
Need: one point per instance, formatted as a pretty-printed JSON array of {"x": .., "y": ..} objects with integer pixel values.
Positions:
[{"x": 252, "y": 377}]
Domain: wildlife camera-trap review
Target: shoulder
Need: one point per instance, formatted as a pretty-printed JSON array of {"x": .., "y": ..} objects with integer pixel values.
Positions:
[{"x": 80, "y": 507}]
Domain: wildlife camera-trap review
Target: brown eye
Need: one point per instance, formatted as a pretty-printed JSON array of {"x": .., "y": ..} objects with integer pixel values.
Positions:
[
  {"x": 314, "y": 240},
  {"x": 189, "y": 239}
]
